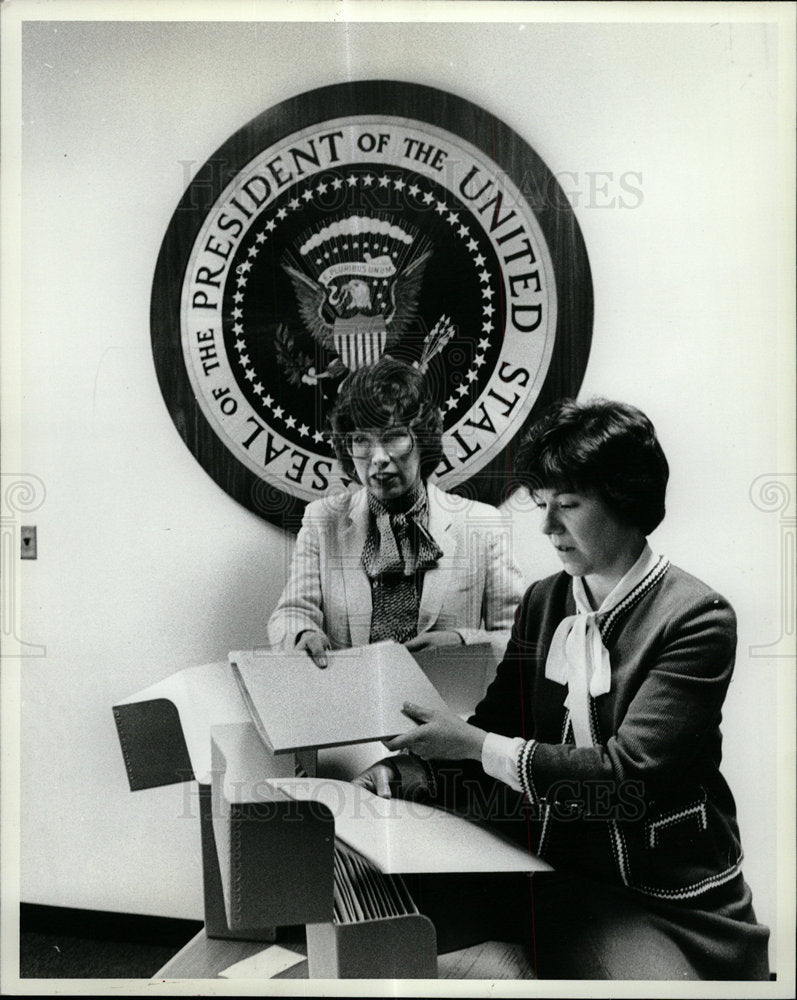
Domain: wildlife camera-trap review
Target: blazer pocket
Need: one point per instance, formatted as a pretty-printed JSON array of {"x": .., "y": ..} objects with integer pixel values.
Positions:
[{"x": 675, "y": 826}]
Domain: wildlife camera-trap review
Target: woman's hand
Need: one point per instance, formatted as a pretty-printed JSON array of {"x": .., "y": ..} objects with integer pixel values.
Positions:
[
  {"x": 427, "y": 640},
  {"x": 403, "y": 776},
  {"x": 376, "y": 779},
  {"x": 315, "y": 644},
  {"x": 440, "y": 734}
]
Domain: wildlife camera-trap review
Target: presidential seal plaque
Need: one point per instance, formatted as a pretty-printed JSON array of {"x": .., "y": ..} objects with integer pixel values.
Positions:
[{"x": 350, "y": 222}]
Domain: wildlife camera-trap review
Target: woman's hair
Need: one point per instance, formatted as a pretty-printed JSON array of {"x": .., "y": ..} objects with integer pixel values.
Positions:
[
  {"x": 609, "y": 448},
  {"x": 389, "y": 393}
]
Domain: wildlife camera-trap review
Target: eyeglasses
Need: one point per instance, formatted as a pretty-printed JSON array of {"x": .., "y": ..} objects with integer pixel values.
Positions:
[{"x": 397, "y": 442}]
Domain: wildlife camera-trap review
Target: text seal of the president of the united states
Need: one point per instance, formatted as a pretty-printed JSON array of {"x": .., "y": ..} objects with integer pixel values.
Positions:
[{"x": 351, "y": 222}]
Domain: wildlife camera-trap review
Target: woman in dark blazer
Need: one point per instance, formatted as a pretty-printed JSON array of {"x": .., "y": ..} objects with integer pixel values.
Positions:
[{"x": 598, "y": 743}]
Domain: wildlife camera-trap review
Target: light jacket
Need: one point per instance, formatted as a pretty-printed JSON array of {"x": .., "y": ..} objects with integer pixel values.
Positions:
[{"x": 473, "y": 590}]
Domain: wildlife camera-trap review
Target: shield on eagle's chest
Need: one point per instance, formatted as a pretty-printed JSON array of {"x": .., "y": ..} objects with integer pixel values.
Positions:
[{"x": 357, "y": 343}]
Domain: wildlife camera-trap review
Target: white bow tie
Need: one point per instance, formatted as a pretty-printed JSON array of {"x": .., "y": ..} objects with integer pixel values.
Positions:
[{"x": 577, "y": 656}]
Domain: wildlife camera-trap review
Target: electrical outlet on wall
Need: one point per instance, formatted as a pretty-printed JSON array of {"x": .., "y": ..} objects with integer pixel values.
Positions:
[{"x": 27, "y": 534}]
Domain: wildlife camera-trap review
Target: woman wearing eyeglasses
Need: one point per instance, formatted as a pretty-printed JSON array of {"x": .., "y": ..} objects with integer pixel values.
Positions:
[{"x": 398, "y": 559}]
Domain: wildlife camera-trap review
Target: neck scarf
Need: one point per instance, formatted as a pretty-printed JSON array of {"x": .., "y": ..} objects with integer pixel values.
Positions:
[
  {"x": 577, "y": 656},
  {"x": 398, "y": 538},
  {"x": 398, "y": 549}
]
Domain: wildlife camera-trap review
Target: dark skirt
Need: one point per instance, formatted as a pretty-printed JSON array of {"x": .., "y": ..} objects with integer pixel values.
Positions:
[
  {"x": 578, "y": 929},
  {"x": 575, "y": 928}
]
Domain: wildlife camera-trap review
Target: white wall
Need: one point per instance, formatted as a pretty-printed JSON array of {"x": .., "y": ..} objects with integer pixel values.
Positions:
[{"x": 146, "y": 566}]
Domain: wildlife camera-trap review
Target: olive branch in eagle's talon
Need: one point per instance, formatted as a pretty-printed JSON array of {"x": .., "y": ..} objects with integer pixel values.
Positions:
[{"x": 298, "y": 366}]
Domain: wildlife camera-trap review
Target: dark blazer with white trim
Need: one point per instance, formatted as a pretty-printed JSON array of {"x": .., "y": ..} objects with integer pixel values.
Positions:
[{"x": 646, "y": 805}]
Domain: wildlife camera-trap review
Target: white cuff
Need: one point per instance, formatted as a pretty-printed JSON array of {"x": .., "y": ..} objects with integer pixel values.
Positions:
[{"x": 499, "y": 758}]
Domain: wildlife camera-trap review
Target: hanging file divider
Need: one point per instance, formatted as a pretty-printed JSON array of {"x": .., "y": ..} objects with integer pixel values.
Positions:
[
  {"x": 377, "y": 934},
  {"x": 280, "y": 864}
]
